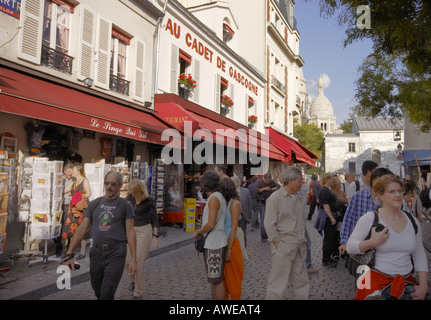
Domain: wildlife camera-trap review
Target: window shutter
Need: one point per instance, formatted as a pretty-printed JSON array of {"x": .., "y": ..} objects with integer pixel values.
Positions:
[
  {"x": 174, "y": 69},
  {"x": 139, "y": 72},
  {"x": 87, "y": 44},
  {"x": 30, "y": 33},
  {"x": 217, "y": 92},
  {"x": 196, "y": 75},
  {"x": 104, "y": 31},
  {"x": 232, "y": 96}
]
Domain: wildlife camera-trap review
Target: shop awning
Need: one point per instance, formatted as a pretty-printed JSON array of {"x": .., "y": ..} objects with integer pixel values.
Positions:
[
  {"x": 177, "y": 111},
  {"x": 35, "y": 98},
  {"x": 422, "y": 156},
  {"x": 296, "y": 151},
  {"x": 281, "y": 142}
]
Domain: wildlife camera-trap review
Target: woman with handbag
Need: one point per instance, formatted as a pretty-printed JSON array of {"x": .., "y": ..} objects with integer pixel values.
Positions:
[
  {"x": 79, "y": 191},
  {"x": 213, "y": 226},
  {"x": 399, "y": 250}
]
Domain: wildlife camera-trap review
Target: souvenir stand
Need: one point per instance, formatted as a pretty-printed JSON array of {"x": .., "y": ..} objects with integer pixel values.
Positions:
[{"x": 40, "y": 204}]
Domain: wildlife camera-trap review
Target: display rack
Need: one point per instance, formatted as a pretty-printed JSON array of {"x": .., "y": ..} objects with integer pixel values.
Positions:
[{"x": 40, "y": 204}]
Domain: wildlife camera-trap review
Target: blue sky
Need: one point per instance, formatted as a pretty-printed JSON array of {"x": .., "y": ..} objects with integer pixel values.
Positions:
[{"x": 321, "y": 47}]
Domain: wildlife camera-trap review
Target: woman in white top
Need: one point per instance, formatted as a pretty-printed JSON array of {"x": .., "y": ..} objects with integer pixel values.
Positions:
[
  {"x": 397, "y": 245},
  {"x": 213, "y": 225}
]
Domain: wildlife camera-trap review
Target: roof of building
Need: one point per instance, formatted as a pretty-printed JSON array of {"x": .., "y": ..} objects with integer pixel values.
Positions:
[{"x": 377, "y": 123}]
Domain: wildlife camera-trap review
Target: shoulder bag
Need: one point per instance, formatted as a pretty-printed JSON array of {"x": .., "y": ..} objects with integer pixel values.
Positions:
[
  {"x": 200, "y": 242},
  {"x": 368, "y": 258}
]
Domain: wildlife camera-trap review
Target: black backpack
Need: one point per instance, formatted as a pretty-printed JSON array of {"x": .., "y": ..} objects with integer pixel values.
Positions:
[{"x": 424, "y": 195}]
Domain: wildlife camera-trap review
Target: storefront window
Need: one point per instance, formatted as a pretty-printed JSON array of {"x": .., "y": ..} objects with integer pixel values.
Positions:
[{"x": 174, "y": 188}]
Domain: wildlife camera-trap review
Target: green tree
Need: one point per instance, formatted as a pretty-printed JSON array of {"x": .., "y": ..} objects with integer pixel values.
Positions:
[
  {"x": 346, "y": 126},
  {"x": 310, "y": 136},
  {"x": 395, "y": 79}
]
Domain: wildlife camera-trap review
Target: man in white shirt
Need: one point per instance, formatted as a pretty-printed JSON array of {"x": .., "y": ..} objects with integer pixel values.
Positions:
[{"x": 364, "y": 181}]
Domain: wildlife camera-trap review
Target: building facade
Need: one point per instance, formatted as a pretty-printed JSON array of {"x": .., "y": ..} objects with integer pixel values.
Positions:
[
  {"x": 265, "y": 33},
  {"x": 75, "y": 85},
  {"x": 378, "y": 139}
]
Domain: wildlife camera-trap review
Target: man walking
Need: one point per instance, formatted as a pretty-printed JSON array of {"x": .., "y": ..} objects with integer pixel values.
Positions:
[
  {"x": 285, "y": 225},
  {"x": 265, "y": 187},
  {"x": 112, "y": 226},
  {"x": 364, "y": 181}
]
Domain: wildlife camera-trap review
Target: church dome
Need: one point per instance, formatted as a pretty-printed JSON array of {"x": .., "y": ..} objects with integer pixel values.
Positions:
[{"x": 321, "y": 107}]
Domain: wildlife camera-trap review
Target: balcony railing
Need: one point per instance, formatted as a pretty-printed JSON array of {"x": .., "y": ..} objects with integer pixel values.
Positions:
[
  {"x": 119, "y": 85},
  {"x": 277, "y": 84},
  {"x": 56, "y": 60}
]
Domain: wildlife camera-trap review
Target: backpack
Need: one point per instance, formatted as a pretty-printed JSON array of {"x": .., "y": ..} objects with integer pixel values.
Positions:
[
  {"x": 358, "y": 186},
  {"x": 425, "y": 198}
]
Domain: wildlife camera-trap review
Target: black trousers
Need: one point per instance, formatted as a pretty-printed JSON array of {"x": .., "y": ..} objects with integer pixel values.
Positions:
[
  {"x": 106, "y": 268},
  {"x": 330, "y": 241}
]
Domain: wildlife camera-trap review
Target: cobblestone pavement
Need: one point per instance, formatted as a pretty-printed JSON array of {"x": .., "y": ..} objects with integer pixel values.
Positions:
[{"x": 178, "y": 274}]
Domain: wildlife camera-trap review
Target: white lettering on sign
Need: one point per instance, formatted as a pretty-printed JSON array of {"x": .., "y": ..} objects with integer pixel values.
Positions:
[{"x": 109, "y": 127}]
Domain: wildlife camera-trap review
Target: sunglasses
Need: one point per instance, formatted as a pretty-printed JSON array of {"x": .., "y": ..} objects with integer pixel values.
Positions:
[{"x": 107, "y": 183}]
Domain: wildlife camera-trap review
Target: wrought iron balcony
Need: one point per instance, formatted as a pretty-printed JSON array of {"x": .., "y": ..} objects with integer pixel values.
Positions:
[
  {"x": 277, "y": 84},
  {"x": 56, "y": 60},
  {"x": 119, "y": 85}
]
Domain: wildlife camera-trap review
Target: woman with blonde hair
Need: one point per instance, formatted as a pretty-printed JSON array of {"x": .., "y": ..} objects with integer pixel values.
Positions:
[
  {"x": 398, "y": 243},
  {"x": 146, "y": 228},
  {"x": 326, "y": 220}
]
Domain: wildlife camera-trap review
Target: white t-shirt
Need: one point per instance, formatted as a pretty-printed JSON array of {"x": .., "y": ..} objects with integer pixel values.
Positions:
[
  {"x": 394, "y": 256},
  {"x": 217, "y": 237}
]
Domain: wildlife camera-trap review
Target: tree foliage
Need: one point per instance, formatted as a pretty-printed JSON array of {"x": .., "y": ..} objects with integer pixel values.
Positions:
[
  {"x": 310, "y": 136},
  {"x": 395, "y": 80}
]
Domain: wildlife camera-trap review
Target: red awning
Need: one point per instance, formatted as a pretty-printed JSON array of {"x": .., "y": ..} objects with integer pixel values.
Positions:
[
  {"x": 35, "y": 98},
  {"x": 177, "y": 111},
  {"x": 294, "y": 149},
  {"x": 282, "y": 143}
]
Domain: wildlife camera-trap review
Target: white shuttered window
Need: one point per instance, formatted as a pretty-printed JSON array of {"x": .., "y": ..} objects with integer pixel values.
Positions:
[{"x": 30, "y": 34}]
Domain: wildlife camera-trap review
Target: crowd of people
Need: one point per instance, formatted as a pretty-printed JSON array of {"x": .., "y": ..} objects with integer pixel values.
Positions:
[{"x": 341, "y": 207}]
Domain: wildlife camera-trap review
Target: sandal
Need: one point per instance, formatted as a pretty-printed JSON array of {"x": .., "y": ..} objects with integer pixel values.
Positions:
[{"x": 80, "y": 256}]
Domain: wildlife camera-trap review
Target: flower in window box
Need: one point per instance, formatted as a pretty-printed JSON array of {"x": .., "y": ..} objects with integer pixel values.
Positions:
[
  {"x": 187, "y": 81},
  {"x": 227, "y": 101},
  {"x": 252, "y": 119}
]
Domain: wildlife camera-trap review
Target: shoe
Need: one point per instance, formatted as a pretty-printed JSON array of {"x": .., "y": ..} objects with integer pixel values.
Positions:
[
  {"x": 335, "y": 257},
  {"x": 80, "y": 256},
  {"x": 132, "y": 286},
  {"x": 312, "y": 270}
]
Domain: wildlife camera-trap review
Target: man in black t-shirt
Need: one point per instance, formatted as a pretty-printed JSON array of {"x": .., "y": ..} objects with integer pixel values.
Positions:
[{"x": 112, "y": 227}]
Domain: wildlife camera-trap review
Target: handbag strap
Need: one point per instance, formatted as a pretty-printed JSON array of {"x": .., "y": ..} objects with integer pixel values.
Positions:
[{"x": 375, "y": 223}]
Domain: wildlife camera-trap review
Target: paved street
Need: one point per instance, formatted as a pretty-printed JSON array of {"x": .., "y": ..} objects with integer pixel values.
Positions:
[
  {"x": 176, "y": 272},
  {"x": 179, "y": 275}
]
